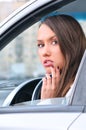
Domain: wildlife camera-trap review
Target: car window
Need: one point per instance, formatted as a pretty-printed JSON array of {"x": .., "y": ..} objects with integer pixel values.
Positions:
[{"x": 19, "y": 60}]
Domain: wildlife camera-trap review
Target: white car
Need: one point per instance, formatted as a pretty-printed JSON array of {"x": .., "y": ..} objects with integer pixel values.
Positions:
[{"x": 20, "y": 77}]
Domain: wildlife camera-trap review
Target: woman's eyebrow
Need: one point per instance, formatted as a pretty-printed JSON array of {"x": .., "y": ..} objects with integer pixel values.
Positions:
[
  {"x": 39, "y": 40},
  {"x": 53, "y": 37}
]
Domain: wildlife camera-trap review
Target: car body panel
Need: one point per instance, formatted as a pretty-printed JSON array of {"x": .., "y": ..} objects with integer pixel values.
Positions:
[
  {"x": 23, "y": 116},
  {"x": 40, "y": 117},
  {"x": 77, "y": 123},
  {"x": 37, "y": 121}
]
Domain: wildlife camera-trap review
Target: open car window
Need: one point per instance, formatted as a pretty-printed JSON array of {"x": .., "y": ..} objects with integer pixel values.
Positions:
[
  {"x": 19, "y": 61},
  {"x": 21, "y": 71}
]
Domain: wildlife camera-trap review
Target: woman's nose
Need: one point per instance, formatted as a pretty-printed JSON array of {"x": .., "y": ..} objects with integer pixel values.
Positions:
[{"x": 46, "y": 51}]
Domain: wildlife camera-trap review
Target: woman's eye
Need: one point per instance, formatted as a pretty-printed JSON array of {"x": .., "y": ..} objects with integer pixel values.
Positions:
[
  {"x": 40, "y": 45},
  {"x": 55, "y": 42}
]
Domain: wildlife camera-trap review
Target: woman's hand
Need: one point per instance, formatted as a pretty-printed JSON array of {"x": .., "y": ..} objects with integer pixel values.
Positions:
[{"x": 50, "y": 84}]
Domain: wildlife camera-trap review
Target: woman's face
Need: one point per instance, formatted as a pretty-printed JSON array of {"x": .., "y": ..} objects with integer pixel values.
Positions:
[{"x": 49, "y": 50}]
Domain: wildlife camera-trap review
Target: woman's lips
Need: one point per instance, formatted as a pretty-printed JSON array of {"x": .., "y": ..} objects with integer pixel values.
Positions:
[{"x": 48, "y": 63}]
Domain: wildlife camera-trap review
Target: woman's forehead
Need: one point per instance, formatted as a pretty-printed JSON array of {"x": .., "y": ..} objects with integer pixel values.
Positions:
[{"x": 45, "y": 31}]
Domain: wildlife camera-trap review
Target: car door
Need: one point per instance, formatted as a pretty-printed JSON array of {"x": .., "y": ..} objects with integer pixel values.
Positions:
[{"x": 28, "y": 115}]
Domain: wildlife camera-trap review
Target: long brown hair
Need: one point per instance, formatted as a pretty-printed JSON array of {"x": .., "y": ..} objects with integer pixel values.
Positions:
[{"x": 72, "y": 43}]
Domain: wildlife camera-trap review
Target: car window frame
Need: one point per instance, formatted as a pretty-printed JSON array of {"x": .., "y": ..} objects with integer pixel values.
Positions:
[
  {"x": 41, "y": 108},
  {"x": 16, "y": 30}
]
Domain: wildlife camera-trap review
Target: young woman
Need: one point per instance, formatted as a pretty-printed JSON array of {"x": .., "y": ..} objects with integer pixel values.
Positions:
[{"x": 61, "y": 43}]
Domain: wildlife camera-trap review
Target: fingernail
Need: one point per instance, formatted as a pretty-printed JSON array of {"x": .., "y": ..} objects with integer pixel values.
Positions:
[{"x": 60, "y": 70}]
